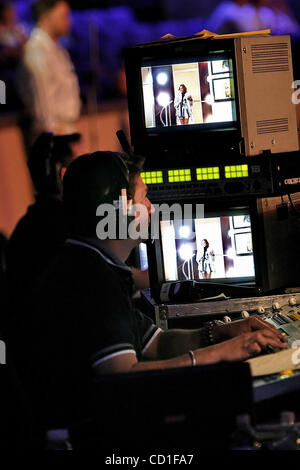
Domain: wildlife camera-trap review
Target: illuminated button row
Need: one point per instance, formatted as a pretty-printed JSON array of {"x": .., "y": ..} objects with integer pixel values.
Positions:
[
  {"x": 236, "y": 171},
  {"x": 211, "y": 173},
  {"x": 176, "y": 176},
  {"x": 202, "y": 174},
  {"x": 152, "y": 177}
]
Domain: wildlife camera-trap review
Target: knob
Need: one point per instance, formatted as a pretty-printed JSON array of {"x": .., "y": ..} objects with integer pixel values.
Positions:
[
  {"x": 292, "y": 301},
  {"x": 245, "y": 314},
  {"x": 276, "y": 306},
  {"x": 226, "y": 319},
  {"x": 260, "y": 310}
]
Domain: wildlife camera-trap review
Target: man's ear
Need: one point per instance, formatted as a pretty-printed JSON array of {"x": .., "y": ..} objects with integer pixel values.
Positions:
[{"x": 62, "y": 172}]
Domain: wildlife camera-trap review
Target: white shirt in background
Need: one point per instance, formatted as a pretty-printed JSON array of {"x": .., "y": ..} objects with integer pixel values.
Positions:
[{"x": 49, "y": 85}]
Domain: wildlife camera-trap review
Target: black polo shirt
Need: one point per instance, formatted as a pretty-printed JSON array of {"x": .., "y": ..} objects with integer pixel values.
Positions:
[{"x": 82, "y": 314}]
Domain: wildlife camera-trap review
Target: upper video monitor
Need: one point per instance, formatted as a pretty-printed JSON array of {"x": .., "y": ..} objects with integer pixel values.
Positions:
[{"x": 188, "y": 94}]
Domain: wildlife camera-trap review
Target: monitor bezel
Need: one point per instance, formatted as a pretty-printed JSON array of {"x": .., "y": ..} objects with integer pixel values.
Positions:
[
  {"x": 155, "y": 251},
  {"x": 145, "y": 140}
]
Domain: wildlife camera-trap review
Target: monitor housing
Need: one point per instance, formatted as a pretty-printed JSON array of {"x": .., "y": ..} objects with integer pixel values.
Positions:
[
  {"x": 248, "y": 244},
  {"x": 238, "y": 98}
]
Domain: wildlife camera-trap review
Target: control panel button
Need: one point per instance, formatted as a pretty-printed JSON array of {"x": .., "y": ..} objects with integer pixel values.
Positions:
[
  {"x": 245, "y": 314},
  {"x": 276, "y": 306},
  {"x": 260, "y": 310},
  {"x": 292, "y": 301},
  {"x": 226, "y": 319}
]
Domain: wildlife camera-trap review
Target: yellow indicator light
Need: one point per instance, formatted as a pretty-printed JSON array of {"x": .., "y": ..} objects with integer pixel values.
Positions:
[
  {"x": 295, "y": 315},
  {"x": 211, "y": 173},
  {"x": 236, "y": 171},
  {"x": 152, "y": 177},
  {"x": 178, "y": 176},
  {"x": 286, "y": 373}
]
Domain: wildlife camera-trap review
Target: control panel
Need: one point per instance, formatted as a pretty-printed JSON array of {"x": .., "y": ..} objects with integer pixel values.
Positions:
[
  {"x": 284, "y": 316},
  {"x": 210, "y": 181}
]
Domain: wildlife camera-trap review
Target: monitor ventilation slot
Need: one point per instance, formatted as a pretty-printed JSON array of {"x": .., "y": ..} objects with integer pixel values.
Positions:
[
  {"x": 272, "y": 125},
  {"x": 270, "y": 57}
]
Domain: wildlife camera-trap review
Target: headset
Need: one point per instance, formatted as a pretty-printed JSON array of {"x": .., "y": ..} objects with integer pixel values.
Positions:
[
  {"x": 48, "y": 151},
  {"x": 42, "y": 165}
]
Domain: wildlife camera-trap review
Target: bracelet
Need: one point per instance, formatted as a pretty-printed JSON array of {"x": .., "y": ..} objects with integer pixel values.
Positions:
[
  {"x": 192, "y": 356},
  {"x": 207, "y": 338}
]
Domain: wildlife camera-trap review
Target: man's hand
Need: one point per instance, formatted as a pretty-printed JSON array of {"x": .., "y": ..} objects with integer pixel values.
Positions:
[
  {"x": 221, "y": 332},
  {"x": 243, "y": 346}
]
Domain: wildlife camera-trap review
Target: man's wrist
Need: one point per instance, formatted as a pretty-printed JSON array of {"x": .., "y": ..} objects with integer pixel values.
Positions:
[
  {"x": 211, "y": 333},
  {"x": 219, "y": 332}
]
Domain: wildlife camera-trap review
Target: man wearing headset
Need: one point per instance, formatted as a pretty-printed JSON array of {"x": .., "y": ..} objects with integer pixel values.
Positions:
[
  {"x": 42, "y": 230},
  {"x": 83, "y": 322}
]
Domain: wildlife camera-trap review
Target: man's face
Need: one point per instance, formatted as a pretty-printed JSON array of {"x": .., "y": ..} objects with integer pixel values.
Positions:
[{"x": 59, "y": 19}]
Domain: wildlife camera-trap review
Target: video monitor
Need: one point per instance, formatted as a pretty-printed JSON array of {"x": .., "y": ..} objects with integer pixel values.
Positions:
[
  {"x": 217, "y": 247},
  {"x": 189, "y": 92}
]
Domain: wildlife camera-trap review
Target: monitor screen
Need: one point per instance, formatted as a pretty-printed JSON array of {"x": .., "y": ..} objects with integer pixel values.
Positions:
[
  {"x": 214, "y": 247},
  {"x": 188, "y": 93}
]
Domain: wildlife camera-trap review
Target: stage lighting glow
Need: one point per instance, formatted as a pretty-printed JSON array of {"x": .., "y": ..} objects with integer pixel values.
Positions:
[
  {"x": 162, "y": 78},
  {"x": 163, "y": 98},
  {"x": 209, "y": 99},
  {"x": 230, "y": 253},
  {"x": 186, "y": 251},
  {"x": 184, "y": 231}
]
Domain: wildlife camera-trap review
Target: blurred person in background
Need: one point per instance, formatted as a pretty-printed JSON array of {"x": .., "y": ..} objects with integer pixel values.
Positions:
[
  {"x": 40, "y": 233},
  {"x": 47, "y": 80},
  {"x": 12, "y": 34},
  {"x": 253, "y": 15},
  {"x": 276, "y": 15},
  {"x": 234, "y": 16},
  {"x": 12, "y": 41}
]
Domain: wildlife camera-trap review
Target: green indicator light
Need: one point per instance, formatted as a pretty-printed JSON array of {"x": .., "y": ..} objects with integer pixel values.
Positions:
[
  {"x": 236, "y": 171},
  {"x": 176, "y": 176},
  {"x": 152, "y": 177},
  {"x": 210, "y": 173}
]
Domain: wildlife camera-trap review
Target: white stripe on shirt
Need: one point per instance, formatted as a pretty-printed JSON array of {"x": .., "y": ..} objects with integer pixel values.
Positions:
[{"x": 110, "y": 356}]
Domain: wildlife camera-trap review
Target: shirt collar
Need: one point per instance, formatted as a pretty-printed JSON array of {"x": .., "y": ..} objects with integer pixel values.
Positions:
[
  {"x": 41, "y": 35},
  {"x": 104, "y": 252}
]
